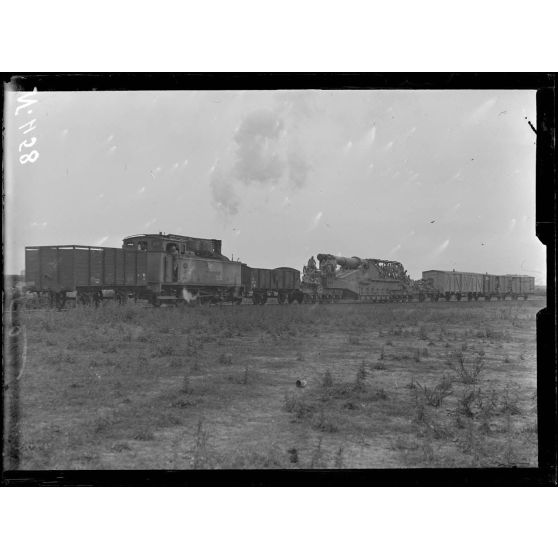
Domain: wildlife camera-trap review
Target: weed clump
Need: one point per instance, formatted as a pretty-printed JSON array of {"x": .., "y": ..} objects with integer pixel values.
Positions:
[
  {"x": 225, "y": 358},
  {"x": 186, "y": 387},
  {"x": 164, "y": 350},
  {"x": 317, "y": 455},
  {"x": 327, "y": 380},
  {"x": 144, "y": 434},
  {"x": 321, "y": 422},
  {"x": 510, "y": 403},
  {"x": 200, "y": 458},
  {"x": 467, "y": 373},
  {"x": 298, "y": 406},
  {"x": 360, "y": 377},
  {"x": 293, "y": 455},
  {"x": 339, "y": 458},
  {"x": 436, "y": 395},
  {"x": 467, "y": 401}
]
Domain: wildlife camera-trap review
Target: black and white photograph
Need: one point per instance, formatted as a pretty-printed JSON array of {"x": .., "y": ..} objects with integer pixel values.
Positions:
[{"x": 275, "y": 278}]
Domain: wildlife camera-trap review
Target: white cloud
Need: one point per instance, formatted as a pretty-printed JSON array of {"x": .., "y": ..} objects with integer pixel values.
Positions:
[
  {"x": 101, "y": 241},
  {"x": 481, "y": 112},
  {"x": 511, "y": 226},
  {"x": 316, "y": 220},
  {"x": 369, "y": 136},
  {"x": 441, "y": 248},
  {"x": 394, "y": 250}
]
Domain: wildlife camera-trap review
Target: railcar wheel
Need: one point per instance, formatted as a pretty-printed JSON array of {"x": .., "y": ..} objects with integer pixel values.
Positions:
[
  {"x": 83, "y": 299},
  {"x": 263, "y": 299},
  {"x": 97, "y": 298},
  {"x": 281, "y": 298},
  {"x": 60, "y": 300},
  {"x": 447, "y": 296}
]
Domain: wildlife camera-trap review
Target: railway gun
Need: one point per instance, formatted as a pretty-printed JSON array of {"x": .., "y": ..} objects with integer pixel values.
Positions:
[{"x": 364, "y": 280}]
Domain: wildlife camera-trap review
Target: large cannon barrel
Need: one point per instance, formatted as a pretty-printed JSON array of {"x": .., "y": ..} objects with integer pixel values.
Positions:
[{"x": 347, "y": 263}]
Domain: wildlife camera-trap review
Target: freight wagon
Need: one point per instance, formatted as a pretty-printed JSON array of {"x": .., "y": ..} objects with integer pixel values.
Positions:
[
  {"x": 456, "y": 284},
  {"x": 460, "y": 284},
  {"x": 282, "y": 283},
  {"x": 520, "y": 285},
  {"x": 155, "y": 267}
]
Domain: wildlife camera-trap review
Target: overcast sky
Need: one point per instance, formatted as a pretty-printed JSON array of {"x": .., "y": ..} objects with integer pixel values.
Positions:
[{"x": 434, "y": 179}]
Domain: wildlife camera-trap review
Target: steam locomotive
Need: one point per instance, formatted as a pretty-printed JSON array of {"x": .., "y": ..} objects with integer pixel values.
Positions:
[{"x": 174, "y": 269}]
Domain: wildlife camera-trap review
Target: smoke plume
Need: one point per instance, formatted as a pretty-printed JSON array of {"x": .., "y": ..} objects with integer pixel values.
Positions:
[
  {"x": 265, "y": 155},
  {"x": 225, "y": 198},
  {"x": 258, "y": 148}
]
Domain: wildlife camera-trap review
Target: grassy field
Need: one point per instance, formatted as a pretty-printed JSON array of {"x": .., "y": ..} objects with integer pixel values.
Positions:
[{"x": 408, "y": 385}]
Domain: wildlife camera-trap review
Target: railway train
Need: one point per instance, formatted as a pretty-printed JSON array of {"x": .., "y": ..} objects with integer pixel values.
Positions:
[{"x": 175, "y": 269}]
